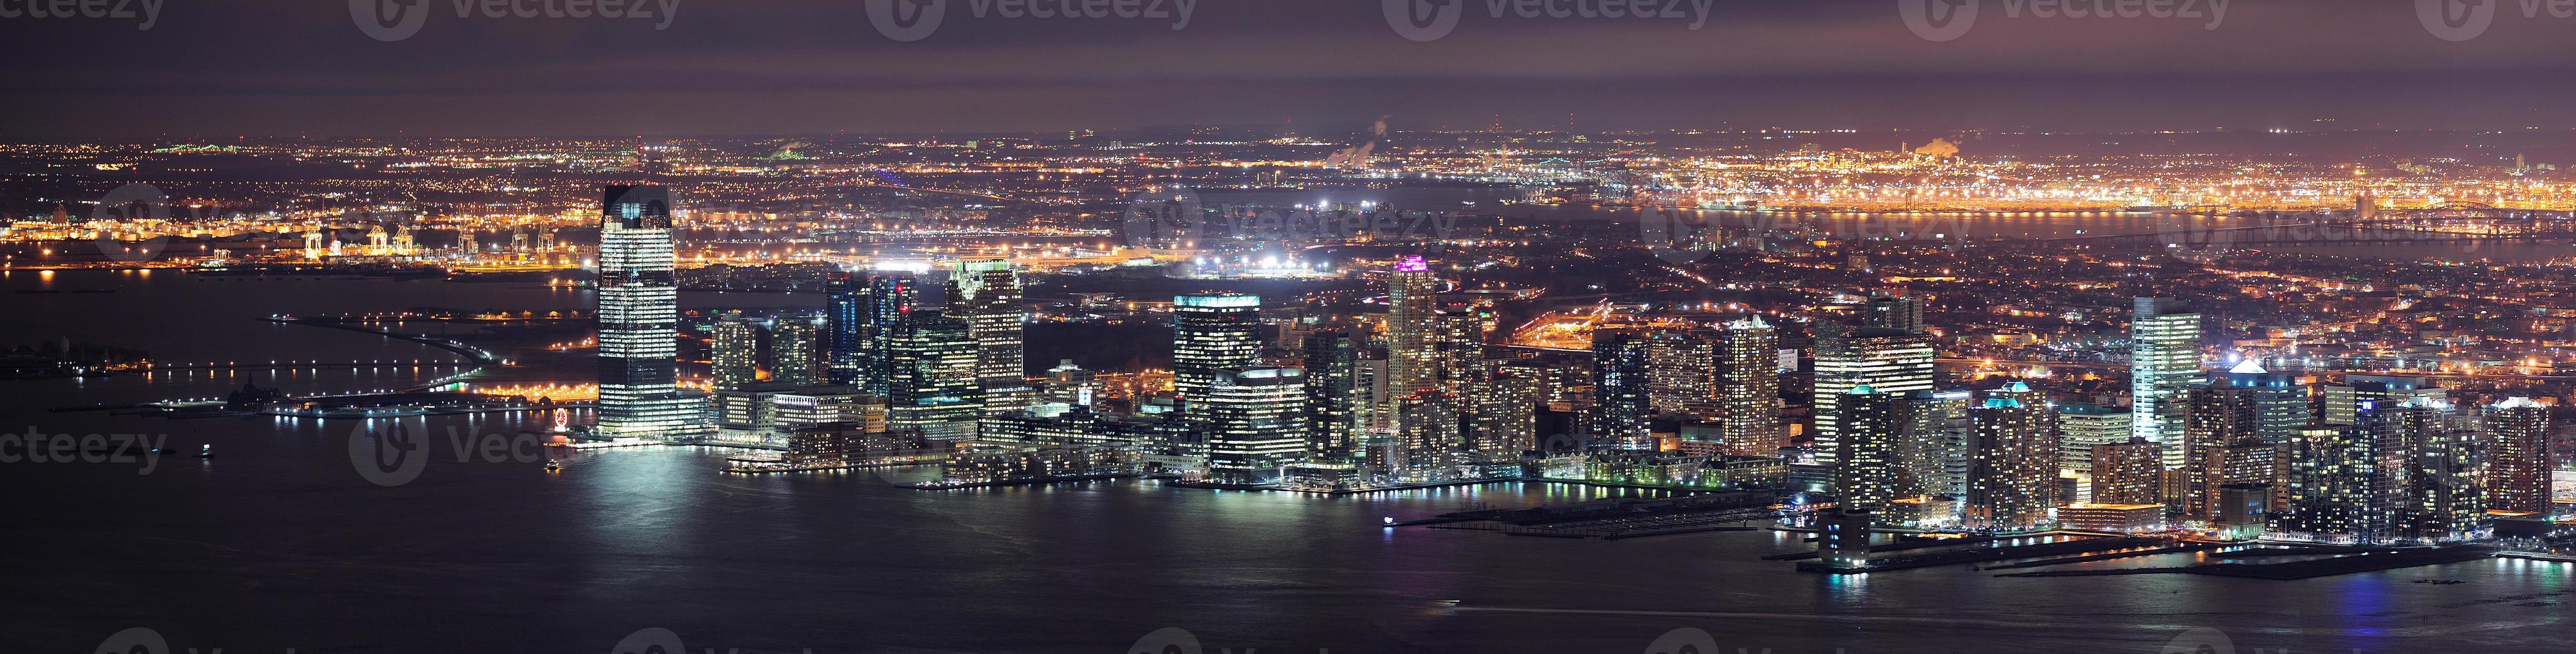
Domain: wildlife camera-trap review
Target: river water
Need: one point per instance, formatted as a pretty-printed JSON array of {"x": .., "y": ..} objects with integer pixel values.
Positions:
[{"x": 278, "y": 542}]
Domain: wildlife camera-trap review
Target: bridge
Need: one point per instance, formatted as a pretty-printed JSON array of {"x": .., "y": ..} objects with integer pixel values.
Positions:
[{"x": 2448, "y": 223}]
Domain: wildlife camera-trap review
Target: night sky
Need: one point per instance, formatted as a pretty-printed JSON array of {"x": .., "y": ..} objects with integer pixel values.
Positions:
[{"x": 209, "y": 69}]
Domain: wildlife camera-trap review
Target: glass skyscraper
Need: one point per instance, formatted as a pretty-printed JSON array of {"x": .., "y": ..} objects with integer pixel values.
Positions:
[
  {"x": 2164, "y": 359},
  {"x": 931, "y": 383},
  {"x": 1211, "y": 333},
  {"x": 639, "y": 313}
]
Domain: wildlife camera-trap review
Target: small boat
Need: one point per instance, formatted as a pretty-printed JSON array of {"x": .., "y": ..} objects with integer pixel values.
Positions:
[
  {"x": 206, "y": 451},
  {"x": 554, "y": 465}
]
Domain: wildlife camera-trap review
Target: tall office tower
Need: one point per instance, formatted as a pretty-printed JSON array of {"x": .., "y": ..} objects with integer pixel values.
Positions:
[
  {"x": 843, "y": 306},
  {"x": 1256, "y": 423},
  {"x": 736, "y": 352},
  {"x": 930, "y": 380},
  {"x": 1890, "y": 360},
  {"x": 2012, "y": 479},
  {"x": 1503, "y": 409},
  {"x": 2343, "y": 400},
  {"x": 793, "y": 351},
  {"x": 883, "y": 302},
  {"x": 1212, "y": 333},
  {"x": 1411, "y": 335},
  {"x": 986, "y": 294},
  {"x": 1427, "y": 431},
  {"x": 1749, "y": 387},
  {"x": 2164, "y": 358},
  {"x": 2519, "y": 466},
  {"x": 1682, "y": 370},
  {"x": 639, "y": 315},
  {"x": 2280, "y": 402},
  {"x": 1332, "y": 358},
  {"x": 1890, "y": 310},
  {"x": 1458, "y": 350},
  {"x": 1871, "y": 427},
  {"x": 2080, "y": 427},
  {"x": 2444, "y": 501},
  {"x": 1620, "y": 407},
  {"x": 2128, "y": 472}
]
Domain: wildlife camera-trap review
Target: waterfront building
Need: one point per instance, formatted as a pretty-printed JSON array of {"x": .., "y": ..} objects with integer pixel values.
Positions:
[
  {"x": 1682, "y": 370},
  {"x": 1427, "y": 431},
  {"x": 794, "y": 342},
  {"x": 2012, "y": 478},
  {"x": 2518, "y": 477},
  {"x": 2164, "y": 360},
  {"x": 931, "y": 382},
  {"x": 1871, "y": 426},
  {"x": 1621, "y": 408},
  {"x": 1256, "y": 423},
  {"x": 1503, "y": 409},
  {"x": 1412, "y": 336},
  {"x": 2080, "y": 427},
  {"x": 1212, "y": 333},
  {"x": 1894, "y": 361},
  {"x": 986, "y": 294},
  {"x": 880, "y": 303},
  {"x": 1749, "y": 388},
  {"x": 1332, "y": 357},
  {"x": 639, "y": 312},
  {"x": 2128, "y": 472},
  {"x": 735, "y": 352}
]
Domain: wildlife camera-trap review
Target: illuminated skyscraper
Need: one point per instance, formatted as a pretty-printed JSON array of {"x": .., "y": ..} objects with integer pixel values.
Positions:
[
  {"x": 1427, "y": 430},
  {"x": 1867, "y": 478},
  {"x": 1212, "y": 333},
  {"x": 2164, "y": 359},
  {"x": 2519, "y": 470},
  {"x": 931, "y": 383},
  {"x": 1502, "y": 409},
  {"x": 1256, "y": 423},
  {"x": 1893, "y": 361},
  {"x": 1620, "y": 402},
  {"x": 1412, "y": 338},
  {"x": 1682, "y": 370},
  {"x": 639, "y": 313},
  {"x": 1332, "y": 358},
  {"x": 2128, "y": 472},
  {"x": 881, "y": 301},
  {"x": 843, "y": 307},
  {"x": 986, "y": 294},
  {"x": 736, "y": 352},
  {"x": 2012, "y": 478},
  {"x": 793, "y": 357},
  {"x": 1749, "y": 388}
]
